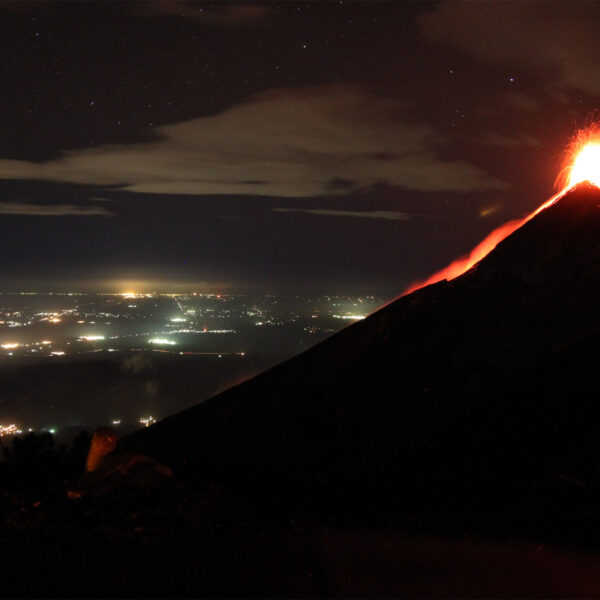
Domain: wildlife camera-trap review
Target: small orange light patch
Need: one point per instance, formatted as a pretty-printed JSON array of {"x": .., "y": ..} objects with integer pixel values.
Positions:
[{"x": 489, "y": 210}]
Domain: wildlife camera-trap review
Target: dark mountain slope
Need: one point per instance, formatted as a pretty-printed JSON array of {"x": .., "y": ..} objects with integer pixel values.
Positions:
[{"x": 473, "y": 388}]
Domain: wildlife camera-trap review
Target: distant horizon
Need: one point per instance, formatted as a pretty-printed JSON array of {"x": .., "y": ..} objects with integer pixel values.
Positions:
[
  {"x": 80, "y": 292},
  {"x": 164, "y": 282}
]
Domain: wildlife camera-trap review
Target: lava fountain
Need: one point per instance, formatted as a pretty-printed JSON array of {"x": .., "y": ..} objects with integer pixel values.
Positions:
[{"x": 582, "y": 163}]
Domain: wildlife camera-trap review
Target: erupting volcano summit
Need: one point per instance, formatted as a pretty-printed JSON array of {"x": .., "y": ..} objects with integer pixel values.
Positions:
[{"x": 582, "y": 164}]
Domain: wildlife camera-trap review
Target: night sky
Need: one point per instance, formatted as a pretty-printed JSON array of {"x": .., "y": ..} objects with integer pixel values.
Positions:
[{"x": 342, "y": 147}]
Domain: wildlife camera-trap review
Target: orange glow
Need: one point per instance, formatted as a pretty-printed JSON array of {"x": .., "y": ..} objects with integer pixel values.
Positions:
[
  {"x": 582, "y": 158},
  {"x": 464, "y": 263},
  {"x": 582, "y": 163},
  {"x": 586, "y": 166}
]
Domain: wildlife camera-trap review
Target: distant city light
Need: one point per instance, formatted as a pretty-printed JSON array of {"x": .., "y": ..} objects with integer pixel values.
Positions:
[
  {"x": 174, "y": 319},
  {"x": 147, "y": 421},
  {"x": 116, "y": 421},
  {"x": 162, "y": 341},
  {"x": 11, "y": 429},
  {"x": 130, "y": 295}
]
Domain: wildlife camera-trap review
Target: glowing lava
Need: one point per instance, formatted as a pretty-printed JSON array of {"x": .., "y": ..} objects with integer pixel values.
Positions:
[
  {"x": 586, "y": 166},
  {"x": 582, "y": 164}
]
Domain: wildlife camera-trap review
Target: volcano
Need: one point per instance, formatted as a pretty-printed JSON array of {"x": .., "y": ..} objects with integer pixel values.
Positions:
[
  {"x": 446, "y": 446},
  {"x": 476, "y": 395}
]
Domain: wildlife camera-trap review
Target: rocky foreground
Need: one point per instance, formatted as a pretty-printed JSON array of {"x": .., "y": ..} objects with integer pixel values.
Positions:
[{"x": 131, "y": 529}]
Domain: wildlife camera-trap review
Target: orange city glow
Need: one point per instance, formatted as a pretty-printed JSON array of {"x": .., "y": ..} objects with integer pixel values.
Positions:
[{"x": 582, "y": 164}]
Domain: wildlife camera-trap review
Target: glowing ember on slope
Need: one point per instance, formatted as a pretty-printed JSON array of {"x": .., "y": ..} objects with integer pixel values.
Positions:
[
  {"x": 464, "y": 263},
  {"x": 582, "y": 164}
]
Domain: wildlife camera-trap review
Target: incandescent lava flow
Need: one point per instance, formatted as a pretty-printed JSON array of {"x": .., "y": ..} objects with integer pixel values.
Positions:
[{"x": 582, "y": 163}]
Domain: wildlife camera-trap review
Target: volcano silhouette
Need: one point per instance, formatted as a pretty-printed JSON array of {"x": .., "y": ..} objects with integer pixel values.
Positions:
[{"x": 476, "y": 392}]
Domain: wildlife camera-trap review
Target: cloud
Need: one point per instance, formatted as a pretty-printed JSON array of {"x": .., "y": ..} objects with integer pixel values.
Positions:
[
  {"x": 52, "y": 210},
  {"x": 553, "y": 40},
  {"x": 390, "y": 215},
  {"x": 493, "y": 138},
  {"x": 287, "y": 143},
  {"x": 224, "y": 14},
  {"x": 136, "y": 363},
  {"x": 520, "y": 101}
]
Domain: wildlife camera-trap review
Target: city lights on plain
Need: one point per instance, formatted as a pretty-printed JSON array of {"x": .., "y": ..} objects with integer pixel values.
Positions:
[
  {"x": 162, "y": 342},
  {"x": 11, "y": 429}
]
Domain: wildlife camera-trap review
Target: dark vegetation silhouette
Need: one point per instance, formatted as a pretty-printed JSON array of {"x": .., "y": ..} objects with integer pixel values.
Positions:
[{"x": 32, "y": 460}]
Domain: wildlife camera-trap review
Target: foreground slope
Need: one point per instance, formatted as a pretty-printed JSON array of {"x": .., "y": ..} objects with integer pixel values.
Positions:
[{"x": 472, "y": 389}]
